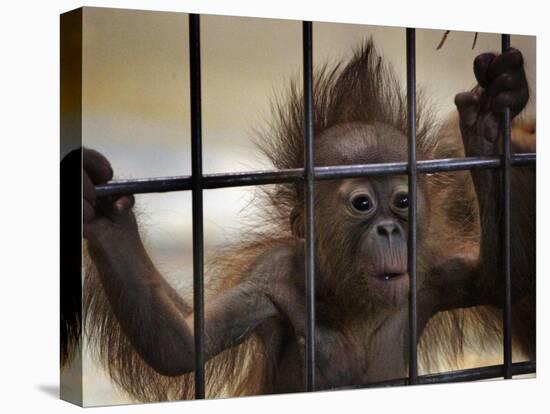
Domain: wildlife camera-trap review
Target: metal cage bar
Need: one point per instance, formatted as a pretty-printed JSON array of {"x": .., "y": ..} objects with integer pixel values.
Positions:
[
  {"x": 197, "y": 182},
  {"x": 506, "y": 232},
  {"x": 471, "y": 374},
  {"x": 309, "y": 195},
  {"x": 239, "y": 179},
  {"x": 196, "y": 188},
  {"x": 412, "y": 192}
]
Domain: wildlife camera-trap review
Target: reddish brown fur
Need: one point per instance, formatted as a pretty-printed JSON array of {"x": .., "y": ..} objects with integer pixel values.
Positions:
[{"x": 362, "y": 91}]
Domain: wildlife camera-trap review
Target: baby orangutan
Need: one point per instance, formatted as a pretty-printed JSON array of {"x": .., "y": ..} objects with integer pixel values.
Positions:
[{"x": 255, "y": 309}]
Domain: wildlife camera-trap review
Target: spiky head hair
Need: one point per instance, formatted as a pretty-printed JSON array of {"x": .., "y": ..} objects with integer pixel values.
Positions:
[{"x": 363, "y": 90}]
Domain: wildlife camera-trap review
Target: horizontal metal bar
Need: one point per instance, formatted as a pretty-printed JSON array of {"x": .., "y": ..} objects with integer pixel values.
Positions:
[
  {"x": 423, "y": 167},
  {"x": 210, "y": 181},
  {"x": 144, "y": 185},
  {"x": 240, "y": 179},
  {"x": 472, "y": 374},
  {"x": 523, "y": 160}
]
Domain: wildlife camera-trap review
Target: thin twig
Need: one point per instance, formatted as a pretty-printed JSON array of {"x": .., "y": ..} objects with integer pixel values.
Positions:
[
  {"x": 475, "y": 41},
  {"x": 440, "y": 45}
]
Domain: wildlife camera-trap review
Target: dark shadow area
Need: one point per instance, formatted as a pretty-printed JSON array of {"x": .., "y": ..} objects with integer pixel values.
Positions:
[{"x": 49, "y": 389}]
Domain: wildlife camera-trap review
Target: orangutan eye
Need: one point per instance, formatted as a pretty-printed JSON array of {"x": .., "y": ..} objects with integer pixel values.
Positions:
[
  {"x": 401, "y": 201},
  {"x": 362, "y": 203}
]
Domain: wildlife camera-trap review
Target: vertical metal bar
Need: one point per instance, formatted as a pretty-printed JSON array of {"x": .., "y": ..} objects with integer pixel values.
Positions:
[
  {"x": 411, "y": 114},
  {"x": 506, "y": 228},
  {"x": 309, "y": 195},
  {"x": 196, "y": 187}
]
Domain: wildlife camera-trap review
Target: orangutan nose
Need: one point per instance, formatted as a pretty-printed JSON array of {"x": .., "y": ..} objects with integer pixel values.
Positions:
[{"x": 387, "y": 229}]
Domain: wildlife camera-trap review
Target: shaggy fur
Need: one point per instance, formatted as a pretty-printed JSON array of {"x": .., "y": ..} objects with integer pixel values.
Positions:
[{"x": 363, "y": 90}]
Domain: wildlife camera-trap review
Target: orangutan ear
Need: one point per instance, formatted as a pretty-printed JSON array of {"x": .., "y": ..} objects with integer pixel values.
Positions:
[{"x": 297, "y": 221}]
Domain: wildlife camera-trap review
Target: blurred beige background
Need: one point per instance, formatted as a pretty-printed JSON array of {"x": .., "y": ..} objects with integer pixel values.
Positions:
[{"x": 136, "y": 111}]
